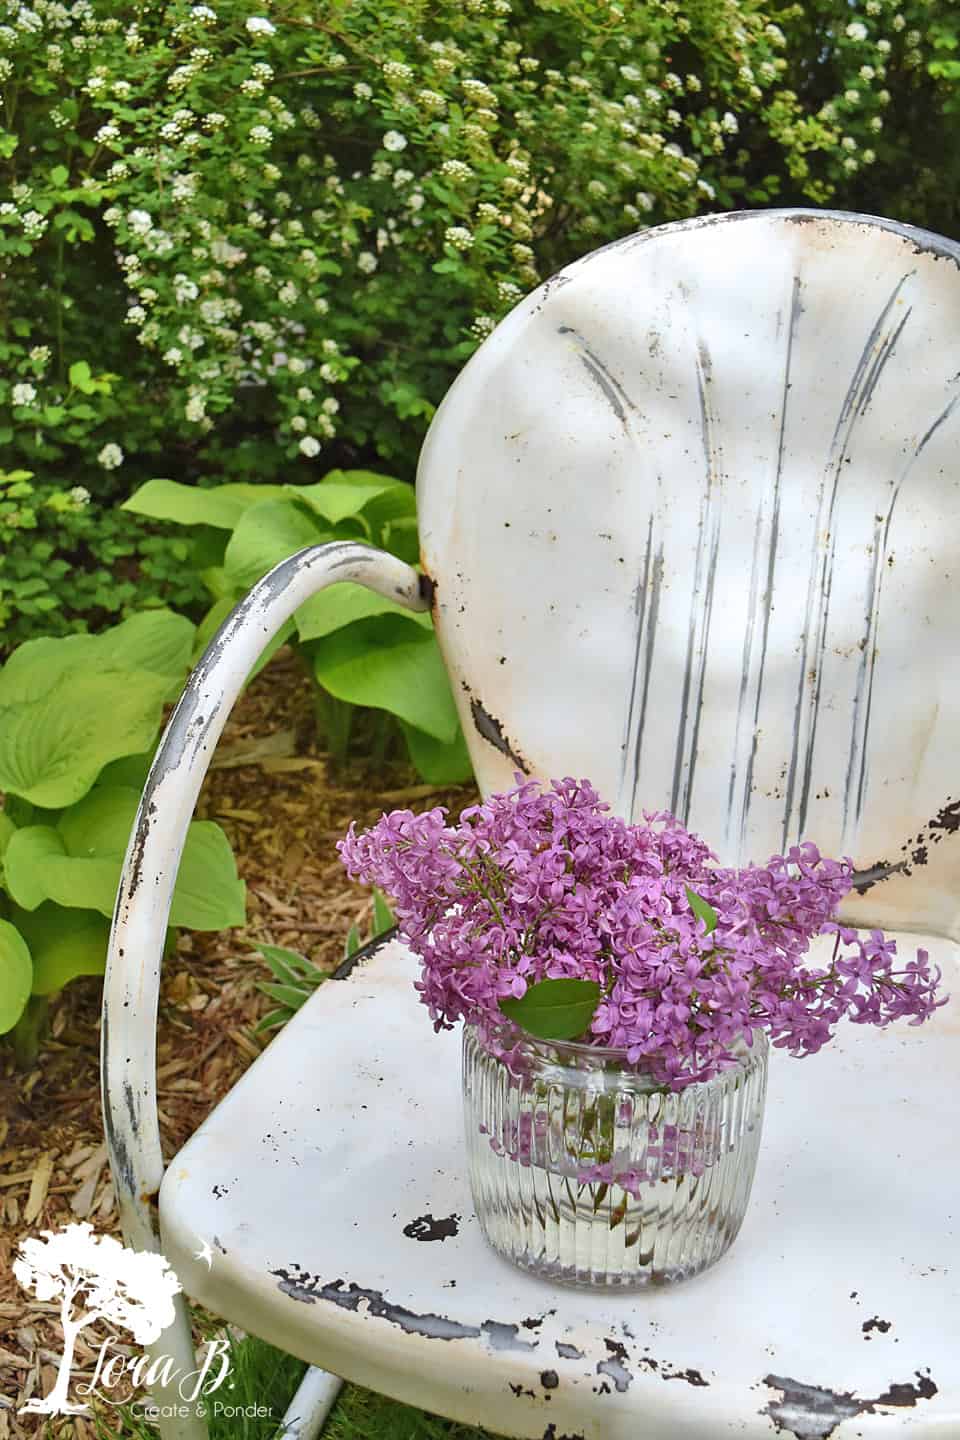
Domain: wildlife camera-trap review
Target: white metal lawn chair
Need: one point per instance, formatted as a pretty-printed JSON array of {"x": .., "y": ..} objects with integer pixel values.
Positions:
[{"x": 691, "y": 529}]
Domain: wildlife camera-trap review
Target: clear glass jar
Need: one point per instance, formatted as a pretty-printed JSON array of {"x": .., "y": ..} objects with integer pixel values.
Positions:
[{"x": 588, "y": 1173}]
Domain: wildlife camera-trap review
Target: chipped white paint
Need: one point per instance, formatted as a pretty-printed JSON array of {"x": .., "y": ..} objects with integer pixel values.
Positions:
[
  {"x": 692, "y": 516},
  {"x": 352, "y": 1133},
  {"x": 693, "y": 512},
  {"x": 128, "y": 1052}
]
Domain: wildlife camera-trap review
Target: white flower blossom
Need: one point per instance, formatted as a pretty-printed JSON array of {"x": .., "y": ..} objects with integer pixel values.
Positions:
[
  {"x": 366, "y": 262},
  {"x": 394, "y": 140},
  {"x": 309, "y": 446},
  {"x": 80, "y": 496},
  {"x": 110, "y": 457},
  {"x": 195, "y": 409},
  {"x": 362, "y": 90},
  {"x": 258, "y": 25},
  {"x": 459, "y": 237},
  {"x": 23, "y": 394},
  {"x": 856, "y": 31},
  {"x": 330, "y": 405},
  {"x": 729, "y": 122},
  {"x": 298, "y": 423},
  {"x": 173, "y": 356},
  {"x": 261, "y": 135},
  {"x": 456, "y": 170}
]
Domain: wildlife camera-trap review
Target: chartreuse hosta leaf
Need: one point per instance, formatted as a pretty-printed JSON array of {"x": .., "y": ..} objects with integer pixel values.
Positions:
[
  {"x": 344, "y": 603},
  {"x": 63, "y": 946},
  {"x": 154, "y": 640},
  {"x": 70, "y": 706},
  {"x": 389, "y": 663},
  {"x": 220, "y": 506},
  {"x": 702, "y": 909},
  {"x": 16, "y": 975},
  {"x": 53, "y": 747},
  {"x": 554, "y": 1009},
  {"x": 436, "y": 762},
  {"x": 76, "y": 863},
  {"x": 268, "y": 533}
]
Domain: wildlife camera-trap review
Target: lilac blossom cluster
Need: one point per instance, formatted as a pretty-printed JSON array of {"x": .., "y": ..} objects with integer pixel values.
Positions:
[{"x": 542, "y": 884}]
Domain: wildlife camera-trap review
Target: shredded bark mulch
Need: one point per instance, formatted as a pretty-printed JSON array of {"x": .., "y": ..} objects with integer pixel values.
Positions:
[{"x": 275, "y": 795}]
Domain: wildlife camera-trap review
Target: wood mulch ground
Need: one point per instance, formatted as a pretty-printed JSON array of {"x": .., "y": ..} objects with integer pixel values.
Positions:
[{"x": 274, "y": 795}]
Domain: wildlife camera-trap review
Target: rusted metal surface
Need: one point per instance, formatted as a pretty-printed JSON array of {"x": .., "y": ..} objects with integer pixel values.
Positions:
[
  {"x": 345, "y": 1231},
  {"x": 694, "y": 519}
]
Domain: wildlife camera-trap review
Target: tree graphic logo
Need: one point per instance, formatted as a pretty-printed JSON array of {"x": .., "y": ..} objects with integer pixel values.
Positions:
[{"x": 95, "y": 1278}]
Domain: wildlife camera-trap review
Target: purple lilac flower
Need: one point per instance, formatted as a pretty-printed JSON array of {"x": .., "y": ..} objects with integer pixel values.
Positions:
[{"x": 542, "y": 883}]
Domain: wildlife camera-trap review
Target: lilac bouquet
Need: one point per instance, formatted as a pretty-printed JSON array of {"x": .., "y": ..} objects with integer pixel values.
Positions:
[{"x": 542, "y": 909}]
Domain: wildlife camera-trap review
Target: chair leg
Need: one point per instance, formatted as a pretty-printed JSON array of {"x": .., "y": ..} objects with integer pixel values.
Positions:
[
  {"x": 176, "y": 1420},
  {"x": 309, "y": 1408}
]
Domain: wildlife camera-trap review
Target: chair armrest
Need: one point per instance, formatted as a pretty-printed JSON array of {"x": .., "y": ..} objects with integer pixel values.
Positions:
[{"x": 128, "y": 1042}]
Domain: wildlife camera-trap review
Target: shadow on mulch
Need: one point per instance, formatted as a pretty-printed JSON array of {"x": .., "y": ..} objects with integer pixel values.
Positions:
[{"x": 273, "y": 793}]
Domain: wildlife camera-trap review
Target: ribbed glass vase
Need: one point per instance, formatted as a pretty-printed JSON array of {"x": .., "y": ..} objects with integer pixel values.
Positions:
[{"x": 589, "y": 1173}]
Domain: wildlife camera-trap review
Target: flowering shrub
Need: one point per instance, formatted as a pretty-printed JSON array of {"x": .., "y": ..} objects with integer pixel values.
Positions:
[
  {"x": 251, "y": 238},
  {"x": 67, "y": 564},
  {"x": 542, "y": 907}
]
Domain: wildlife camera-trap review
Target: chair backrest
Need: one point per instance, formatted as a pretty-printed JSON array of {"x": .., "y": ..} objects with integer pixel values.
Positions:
[{"x": 692, "y": 515}]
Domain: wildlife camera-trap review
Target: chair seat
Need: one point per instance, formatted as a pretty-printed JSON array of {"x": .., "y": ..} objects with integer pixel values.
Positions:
[{"x": 331, "y": 1186}]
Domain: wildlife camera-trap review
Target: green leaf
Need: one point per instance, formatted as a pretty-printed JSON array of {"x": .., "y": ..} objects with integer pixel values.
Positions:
[
  {"x": 337, "y": 501},
  {"x": 154, "y": 640},
  {"x": 59, "y": 175},
  {"x": 437, "y": 762},
  {"x": 287, "y": 995},
  {"x": 220, "y": 507},
  {"x": 77, "y": 863},
  {"x": 64, "y": 944},
  {"x": 353, "y": 942},
  {"x": 16, "y": 975},
  {"x": 345, "y": 602},
  {"x": 271, "y": 1020},
  {"x": 554, "y": 1009},
  {"x": 389, "y": 663},
  {"x": 7, "y": 829},
  {"x": 81, "y": 379},
  {"x": 267, "y": 534},
  {"x": 55, "y": 743},
  {"x": 383, "y": 916},
  {"x": 288, "y": 965},
  {"x": 702, "y": 910}
]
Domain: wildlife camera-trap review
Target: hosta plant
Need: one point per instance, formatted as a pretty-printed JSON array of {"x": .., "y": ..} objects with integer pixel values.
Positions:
[
  {"x": 361, "y": 649},
  {"x": 79, "y": 718}
]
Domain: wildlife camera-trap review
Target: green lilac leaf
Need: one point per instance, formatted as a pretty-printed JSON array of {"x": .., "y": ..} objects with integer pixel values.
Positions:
[
  {"x": 702, "y": 909},
  {"x": 554, "y": 1009}
]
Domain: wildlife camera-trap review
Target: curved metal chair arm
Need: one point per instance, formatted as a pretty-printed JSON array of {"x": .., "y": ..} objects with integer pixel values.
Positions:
[{"x": 128, "y": 1046}]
